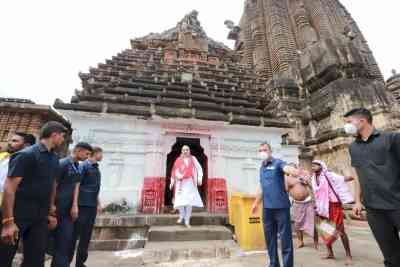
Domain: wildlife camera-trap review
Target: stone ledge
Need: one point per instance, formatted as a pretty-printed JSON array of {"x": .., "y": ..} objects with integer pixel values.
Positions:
[
  {"x": 116, "y": 244},
  {"x": 158, "y": 252},
  {"x": 143, "y": 220},
  {"x": 181, "y": 233}
]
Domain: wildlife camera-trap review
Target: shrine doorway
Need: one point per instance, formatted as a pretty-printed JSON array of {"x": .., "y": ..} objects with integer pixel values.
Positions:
[{"x": 196, "y": 150}]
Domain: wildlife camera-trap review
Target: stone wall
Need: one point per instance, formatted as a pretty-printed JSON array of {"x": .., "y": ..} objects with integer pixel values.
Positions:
[
  {"x": 274, "y": 31},
  {"x": 319, "y": 66},
  {"x": 20, "y": 115},
  {"x": 13, "y": 121}
]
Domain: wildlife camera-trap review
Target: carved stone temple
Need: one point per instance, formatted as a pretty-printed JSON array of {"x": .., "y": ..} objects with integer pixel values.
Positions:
[{"x": 297, "y": 67}]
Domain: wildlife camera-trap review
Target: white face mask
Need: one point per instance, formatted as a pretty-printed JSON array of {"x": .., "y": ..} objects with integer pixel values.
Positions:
[
  {"x": 351, "y": 129},
  {"x": 264, "y": 155}
]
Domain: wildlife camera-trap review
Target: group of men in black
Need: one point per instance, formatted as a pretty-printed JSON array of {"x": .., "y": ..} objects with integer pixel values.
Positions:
[{"x": 46, "y": 197}]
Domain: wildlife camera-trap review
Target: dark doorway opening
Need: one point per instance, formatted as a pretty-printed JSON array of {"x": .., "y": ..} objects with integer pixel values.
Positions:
[{"x": 197, "y": 151}]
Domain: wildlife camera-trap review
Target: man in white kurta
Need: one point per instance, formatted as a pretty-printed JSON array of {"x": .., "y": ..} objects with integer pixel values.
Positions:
[{"x": 186, "y": 175}]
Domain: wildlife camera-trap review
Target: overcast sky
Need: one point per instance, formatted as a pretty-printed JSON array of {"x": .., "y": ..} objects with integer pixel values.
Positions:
[{"x": 45, "y": 43}]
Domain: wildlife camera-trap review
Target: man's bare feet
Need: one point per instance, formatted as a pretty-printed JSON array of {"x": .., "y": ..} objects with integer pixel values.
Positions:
[
  {"x": 300, "y": 244},
  {"x": 329, "y": 257},
  {"x": 316, "y": 246},
  {"x": 349, "y": 260}
]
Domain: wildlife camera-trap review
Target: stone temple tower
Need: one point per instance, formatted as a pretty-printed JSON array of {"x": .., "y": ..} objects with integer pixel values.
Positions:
[{"x": 318, "y": 66}]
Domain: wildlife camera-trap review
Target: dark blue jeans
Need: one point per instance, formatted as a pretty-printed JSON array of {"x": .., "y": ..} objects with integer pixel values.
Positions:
[
  {"x": 83, "y": 231},
  {"x": 277, "y": 222},
  {"x": 63, "y": 237}
]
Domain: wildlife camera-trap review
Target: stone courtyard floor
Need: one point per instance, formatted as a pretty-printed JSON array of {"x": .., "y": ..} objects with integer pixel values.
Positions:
[{"x": 365, "y": 252}]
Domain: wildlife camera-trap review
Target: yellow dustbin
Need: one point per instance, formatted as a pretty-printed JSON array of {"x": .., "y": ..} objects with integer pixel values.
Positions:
[
  {"x": 248, "y": 228},
  {"x": 233, "y": 206}
]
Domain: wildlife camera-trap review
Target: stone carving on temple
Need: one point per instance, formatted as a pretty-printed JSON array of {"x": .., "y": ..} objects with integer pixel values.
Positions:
[
  {"x": 306, "y": 31},
  {"x": 393, "y": 85},
  {"x": 234, "y": 30},
  {"x": 190, "y": 24}
]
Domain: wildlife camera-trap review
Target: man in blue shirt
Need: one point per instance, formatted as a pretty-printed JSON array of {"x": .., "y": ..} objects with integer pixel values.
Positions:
[
  {"x": 68, "y": 182},
  {"x": 89, "y": 205},
  {"x": 28, "y": 192},
  {"x": 276, "y": 213}
]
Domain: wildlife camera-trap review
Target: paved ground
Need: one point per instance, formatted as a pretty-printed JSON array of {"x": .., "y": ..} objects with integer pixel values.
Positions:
[{"x": 365, "y": 252}]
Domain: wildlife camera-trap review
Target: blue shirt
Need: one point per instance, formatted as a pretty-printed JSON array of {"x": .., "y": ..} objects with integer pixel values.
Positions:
[
  {"x": 67, "y": 179},
  {"x": 272, "y": 180},
  {"x": 38, "y": 168},
  {"x": 90, "y": 184}
]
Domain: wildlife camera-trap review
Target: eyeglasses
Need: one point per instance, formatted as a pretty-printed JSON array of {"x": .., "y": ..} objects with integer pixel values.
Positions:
[{"x": 263, "y": 150}]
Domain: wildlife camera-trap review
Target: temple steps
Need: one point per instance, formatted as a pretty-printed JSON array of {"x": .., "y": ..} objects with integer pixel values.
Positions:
[
  {"x": 158, "y": 252},
  {"x": 176, "y": 233},
  {"x": 142, "y": 220},
  {"x": 176, "y": 242},
  {"x": 114, "y": 233}
]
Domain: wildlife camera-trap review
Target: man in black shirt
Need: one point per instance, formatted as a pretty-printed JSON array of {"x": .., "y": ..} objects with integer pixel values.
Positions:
[
  {"x": 17, "y": 142},
  {"x": 89, "y": 205},
  {"x": 68, "y": 182},
  {"x": 375, "y": 156},
  {"x": 28, "y": 191}
]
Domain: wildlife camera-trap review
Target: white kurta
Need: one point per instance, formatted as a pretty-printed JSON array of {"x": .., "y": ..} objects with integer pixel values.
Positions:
[
  {"x": 3, "y": 172},
  {"x": 186, "y": 193}
]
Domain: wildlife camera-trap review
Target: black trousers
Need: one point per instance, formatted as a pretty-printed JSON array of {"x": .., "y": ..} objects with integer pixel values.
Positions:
[
  {"x": 63, "y": 237},
  {"x": 7, "y": 253},
  {"x": 385, "y": 225},
  {"x": 83, "y": 231},
  {"x": 33, "y": 234}
]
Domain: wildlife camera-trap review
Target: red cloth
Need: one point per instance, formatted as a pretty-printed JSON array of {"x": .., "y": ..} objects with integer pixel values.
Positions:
[
  {"x": 336, "y": 215},
  {"x": 336, "y": 219},
  {"x": 186, "y": 170}
]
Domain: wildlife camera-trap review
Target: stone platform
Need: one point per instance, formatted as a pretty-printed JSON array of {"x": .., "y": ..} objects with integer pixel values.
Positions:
[
  {"x": 364, "y": 248},
  {"x": 170, "y": 252},
  {"x": 174, "y": 243}
]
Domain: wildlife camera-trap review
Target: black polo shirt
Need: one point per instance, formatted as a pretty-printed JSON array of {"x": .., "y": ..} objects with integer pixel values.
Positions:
[
  {"x": 67, "y": 179},
  {"x": 38, "y": 168},
  {"x": 90, "y": 184},
  {"x": 377, "y": 162}
]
